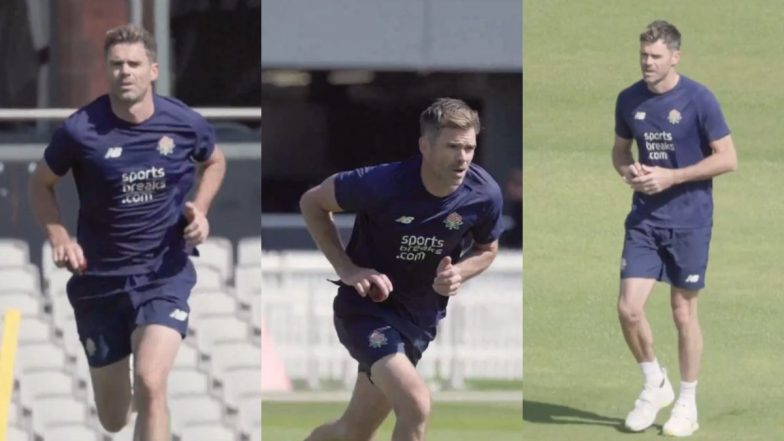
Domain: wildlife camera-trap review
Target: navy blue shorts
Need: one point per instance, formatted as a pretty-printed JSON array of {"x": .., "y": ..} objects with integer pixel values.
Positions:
[
  {"x": 369, "y": 339},
  {"x": 108, "y": 308},
  {"x": 678, "y": 257}
]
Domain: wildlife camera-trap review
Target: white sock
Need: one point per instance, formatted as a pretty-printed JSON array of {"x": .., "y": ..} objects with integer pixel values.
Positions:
[
  {"x": 688, "y": 394},
  {"x": 652, "y": 372}
]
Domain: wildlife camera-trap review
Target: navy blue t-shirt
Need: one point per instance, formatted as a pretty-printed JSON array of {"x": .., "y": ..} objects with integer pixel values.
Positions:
[
  {"x": 132, "y": 181},
  {"x": 672, "y": 130},
  {"x": 404, "y": 231}
]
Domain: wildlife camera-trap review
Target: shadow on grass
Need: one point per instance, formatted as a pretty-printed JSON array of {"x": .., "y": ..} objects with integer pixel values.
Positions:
[{"x": 548, "y": 413}]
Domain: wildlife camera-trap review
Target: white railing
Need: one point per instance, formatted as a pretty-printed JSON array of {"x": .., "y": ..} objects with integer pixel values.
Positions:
[
  {"x": 481, "y": 337},
  {"x": 234, "y": 113}
]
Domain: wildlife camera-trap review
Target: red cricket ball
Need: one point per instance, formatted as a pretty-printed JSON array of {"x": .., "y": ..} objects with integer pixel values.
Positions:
[{"x": 376, "y": 294}]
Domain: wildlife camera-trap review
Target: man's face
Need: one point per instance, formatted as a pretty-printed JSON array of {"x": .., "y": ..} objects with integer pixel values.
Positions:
[
  {"x": 657, "y": 61},
  {"x": 130, "y": 72},
  {"x": 448, "y": 156}
]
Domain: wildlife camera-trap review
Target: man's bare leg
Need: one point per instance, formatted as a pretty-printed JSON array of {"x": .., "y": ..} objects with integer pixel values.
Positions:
[
  {"x": 155, "y": 348},
  {"x": 366, "y": 410},
  {"x": 407, "y": 393},
  {"x": 112, "y": 391}
]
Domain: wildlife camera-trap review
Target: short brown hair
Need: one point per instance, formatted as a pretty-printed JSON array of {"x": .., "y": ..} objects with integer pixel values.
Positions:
[
  {"x": 662, "y": 30},
  {"x": 129, "y": 34},
  {"x": 447, "y": 112}
]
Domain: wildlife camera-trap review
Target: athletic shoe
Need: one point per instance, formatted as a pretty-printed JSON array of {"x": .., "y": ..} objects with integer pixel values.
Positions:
[
  {"x": 682, "y": 422},
  {"x": 651, "y": 400}
]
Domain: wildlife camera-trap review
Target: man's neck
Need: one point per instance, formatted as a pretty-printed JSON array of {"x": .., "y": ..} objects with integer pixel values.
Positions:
[
  {"x": 433, "y": 186},
  {"x": 665, "y": 85},
  {"x": 134, "y": 113}
]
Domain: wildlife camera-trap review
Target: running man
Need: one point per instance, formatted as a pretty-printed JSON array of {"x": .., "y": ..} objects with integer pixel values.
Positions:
[
  {"x": 683, "y": 142},
  {"x": 133, "y": 155},
  {"x": 403, "y": 262}
]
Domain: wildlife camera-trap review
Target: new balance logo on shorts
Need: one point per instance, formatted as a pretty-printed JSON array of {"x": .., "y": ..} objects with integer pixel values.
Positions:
[
  {"x": 692, "y": 278},
  {"x": 179, "y": 314}
]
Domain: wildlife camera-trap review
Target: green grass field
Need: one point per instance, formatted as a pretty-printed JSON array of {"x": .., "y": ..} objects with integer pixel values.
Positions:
[
  {"x": 580, "y": 379},
  {"x": 497, "y": 421}
]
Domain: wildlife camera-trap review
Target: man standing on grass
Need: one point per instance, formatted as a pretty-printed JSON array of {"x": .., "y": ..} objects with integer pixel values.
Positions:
[
  {"x": 134, "y": 156},
  {"x": 403, "y": 262},
  {"x": 683, "y": 142}
]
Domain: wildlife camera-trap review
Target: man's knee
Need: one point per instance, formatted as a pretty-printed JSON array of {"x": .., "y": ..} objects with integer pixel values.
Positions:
[
  {"x": 416, "y": 410},
  {"x": 684, "y": 309},
  {"x": 150, "y": 384},
  {"x": 683, "y": 317},
  {"x": 630, "y": 315},
  {"x": 113, "y": 419}
]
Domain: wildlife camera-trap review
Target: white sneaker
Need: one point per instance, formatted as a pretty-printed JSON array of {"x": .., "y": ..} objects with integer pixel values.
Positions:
[
  {"x": 648, "y": 404},
  {"x": 682, "y": 422}
]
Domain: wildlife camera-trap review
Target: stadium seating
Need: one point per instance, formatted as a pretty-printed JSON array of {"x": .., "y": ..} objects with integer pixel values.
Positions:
[
  {"x": 35, "y": 329},
  {"x": 61, "y": 310},
  {"x": 187, "y": 356},
  {"x": 56, "y": 280},
  {"x": 26, "y": 301},
  {"x": 21, "y": 277},
  {"x": 188, "y": 381},
  {"x": 208, "y": 278},
  {"x": 16, "y": 433},
  {"x": 53, "y": 398},
  {"x": 239, "y": 383},
  {"x": 249, "y": 251},
  {"x": 218, "y": 253},
  {"x": 232, "y": 355},
  {"x": 43, "y": 355},
  {"x": 71, "y": 432},
  {"x": 248, "y": 281},
  {"x": 250, "y": 414},
  {"x": 14, "y": 415},
  {"x": 190, "y": 409},
  {"x": 43, "y": 383},
  {"x": 14, "y": 252},
  {"x": 212, "y": 432},
  {"x": 50, "y": 412},
  {"x": 210, "y": 303}
]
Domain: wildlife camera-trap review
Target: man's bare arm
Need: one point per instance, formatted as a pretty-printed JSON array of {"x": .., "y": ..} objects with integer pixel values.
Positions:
[
  {"x": 317, "y": 206},
  {"x": 65, "y": 251}
]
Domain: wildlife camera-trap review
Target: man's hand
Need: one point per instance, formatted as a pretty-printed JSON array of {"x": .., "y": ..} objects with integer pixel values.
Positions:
[
  {"x": 198, "y": 227},
  {"x": 448, "y": 278},
  {"x": 69, "y": 255},
  {"x": 368, "y": 281},
  {"x": 631, "y": 171},
  {"x": 653, "y": 180}
]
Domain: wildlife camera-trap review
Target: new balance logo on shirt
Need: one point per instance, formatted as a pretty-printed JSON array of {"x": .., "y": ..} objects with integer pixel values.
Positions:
[
  {"x": 113, "y": 152},
  {"x": 693, "y": 278},
  {"x": 179, "y": 315}
]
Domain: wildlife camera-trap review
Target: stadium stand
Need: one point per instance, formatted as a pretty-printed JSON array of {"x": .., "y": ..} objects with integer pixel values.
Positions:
[
  {"x": 14, "y": 252},
  {"x": 215, "y": 386}
]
